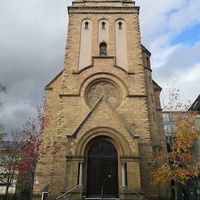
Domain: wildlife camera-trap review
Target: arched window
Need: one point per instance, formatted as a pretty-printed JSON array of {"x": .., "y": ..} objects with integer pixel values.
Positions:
[
  {"x": 103, "y": 25},
  {"x": 103, "y": 49},
  {"x": 120, "y": 25},
  {"x": 86, "y": 25}
]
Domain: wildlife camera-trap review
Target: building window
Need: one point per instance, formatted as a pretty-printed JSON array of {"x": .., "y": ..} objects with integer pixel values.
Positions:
[
  {"x": 147, "y": 62},
  {"x": 86, "y": 25},
  {"x": 103, "y": 49},
  {"x": 120, "y": 25},
  {"x": 103, "y": 25}
]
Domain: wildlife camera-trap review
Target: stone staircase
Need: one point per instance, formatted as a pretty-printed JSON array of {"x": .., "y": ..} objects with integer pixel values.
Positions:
[
  {"x": 133, "y": 198},
  {"x": 65, "y": 198},
  {"x": 76, "y": 193}
]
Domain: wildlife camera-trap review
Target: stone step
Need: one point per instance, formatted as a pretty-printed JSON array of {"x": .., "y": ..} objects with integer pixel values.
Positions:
[
  {"x": 105, "y": 198},
  {"x": 102, "y": 198}
]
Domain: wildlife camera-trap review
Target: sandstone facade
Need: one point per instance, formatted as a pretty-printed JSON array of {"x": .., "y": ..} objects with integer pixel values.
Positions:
[{"x": 104, "y": 108}]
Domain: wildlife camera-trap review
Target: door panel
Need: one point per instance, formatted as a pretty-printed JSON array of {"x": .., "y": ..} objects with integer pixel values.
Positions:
[
  {"x": 102, "y": 170},
  {"x": 110, "y": 178},
  {"x": 95, "y": 177}
]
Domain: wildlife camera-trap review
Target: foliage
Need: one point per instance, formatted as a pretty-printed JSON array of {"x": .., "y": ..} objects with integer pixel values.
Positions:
[
  {"x": 181, "y": 161},
  {"x": 10, "y": 159},
  {"x": 33, "y": 151},
  {"x": 28, "y": 153},
  {"x": 32, "y": 133},
  {"x": 2, "y": 126}
]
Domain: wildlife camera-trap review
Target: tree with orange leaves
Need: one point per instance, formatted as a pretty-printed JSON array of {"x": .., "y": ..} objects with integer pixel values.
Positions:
[{"x": 181, "y": 162}]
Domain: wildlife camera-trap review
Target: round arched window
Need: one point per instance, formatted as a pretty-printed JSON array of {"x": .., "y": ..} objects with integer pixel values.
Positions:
[
  {"x": 103, "y": 49},
  {"x": 103, "y": 87}
]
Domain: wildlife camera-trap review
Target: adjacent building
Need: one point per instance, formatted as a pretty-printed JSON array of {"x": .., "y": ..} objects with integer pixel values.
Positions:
[
  {"x": 191, "y": 190},
  {"x": 193, "y": 185},
  {"x": 196, "y": 107}
]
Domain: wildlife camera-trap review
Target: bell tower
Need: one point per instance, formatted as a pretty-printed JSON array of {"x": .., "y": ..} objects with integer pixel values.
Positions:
[
  {"x": 104, "y": 28},
  {"x": 104, "y": 108}
]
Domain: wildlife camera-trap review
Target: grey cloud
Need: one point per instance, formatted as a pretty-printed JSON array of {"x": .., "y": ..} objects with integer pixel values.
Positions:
[{"x": 32, "y": 43}]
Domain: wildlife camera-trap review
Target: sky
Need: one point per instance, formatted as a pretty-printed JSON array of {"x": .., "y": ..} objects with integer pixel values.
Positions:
[{"x": 32, "y": 43}]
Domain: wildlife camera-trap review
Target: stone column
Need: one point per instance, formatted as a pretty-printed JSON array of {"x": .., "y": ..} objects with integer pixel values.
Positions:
[
  {"x": 123, "y": 174},
  {"x": 80, "y": 180}
]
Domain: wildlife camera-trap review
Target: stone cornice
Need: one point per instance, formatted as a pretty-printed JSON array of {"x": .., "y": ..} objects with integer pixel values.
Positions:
[
  {"x": 138, "y": 95},
  {"x": 125, "y": 159},
  {"x": 148, "y": 69},
  {"x": 103, "y": 8}
]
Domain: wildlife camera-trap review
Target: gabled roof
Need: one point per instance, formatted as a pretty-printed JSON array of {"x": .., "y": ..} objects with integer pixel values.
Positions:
[
  {"x": 196, "y": 105},
  {"x": 93, "y": 109},
  {"x": 51, "y": 82},
  {"x": 145, "y": 50}
]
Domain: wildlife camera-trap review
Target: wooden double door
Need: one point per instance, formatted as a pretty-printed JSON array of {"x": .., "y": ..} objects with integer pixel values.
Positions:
[{"x": 102, "y": 174}]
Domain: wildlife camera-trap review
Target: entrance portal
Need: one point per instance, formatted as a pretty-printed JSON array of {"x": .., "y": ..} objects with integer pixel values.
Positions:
[{"x": 102, "y": 176}]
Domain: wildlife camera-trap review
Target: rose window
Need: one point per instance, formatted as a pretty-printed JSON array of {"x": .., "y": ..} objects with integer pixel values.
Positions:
[{"x": 97, "y": 89}]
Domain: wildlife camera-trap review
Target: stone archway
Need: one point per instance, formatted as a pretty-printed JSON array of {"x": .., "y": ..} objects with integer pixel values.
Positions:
[{"x": 102, "y": 171}]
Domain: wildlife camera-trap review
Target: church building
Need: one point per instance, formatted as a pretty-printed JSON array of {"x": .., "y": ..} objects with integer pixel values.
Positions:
[{"x": 104, "y": 110}]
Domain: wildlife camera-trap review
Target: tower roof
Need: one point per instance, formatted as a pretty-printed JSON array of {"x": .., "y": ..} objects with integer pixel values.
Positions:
[{"x": 101, "y": 2}]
